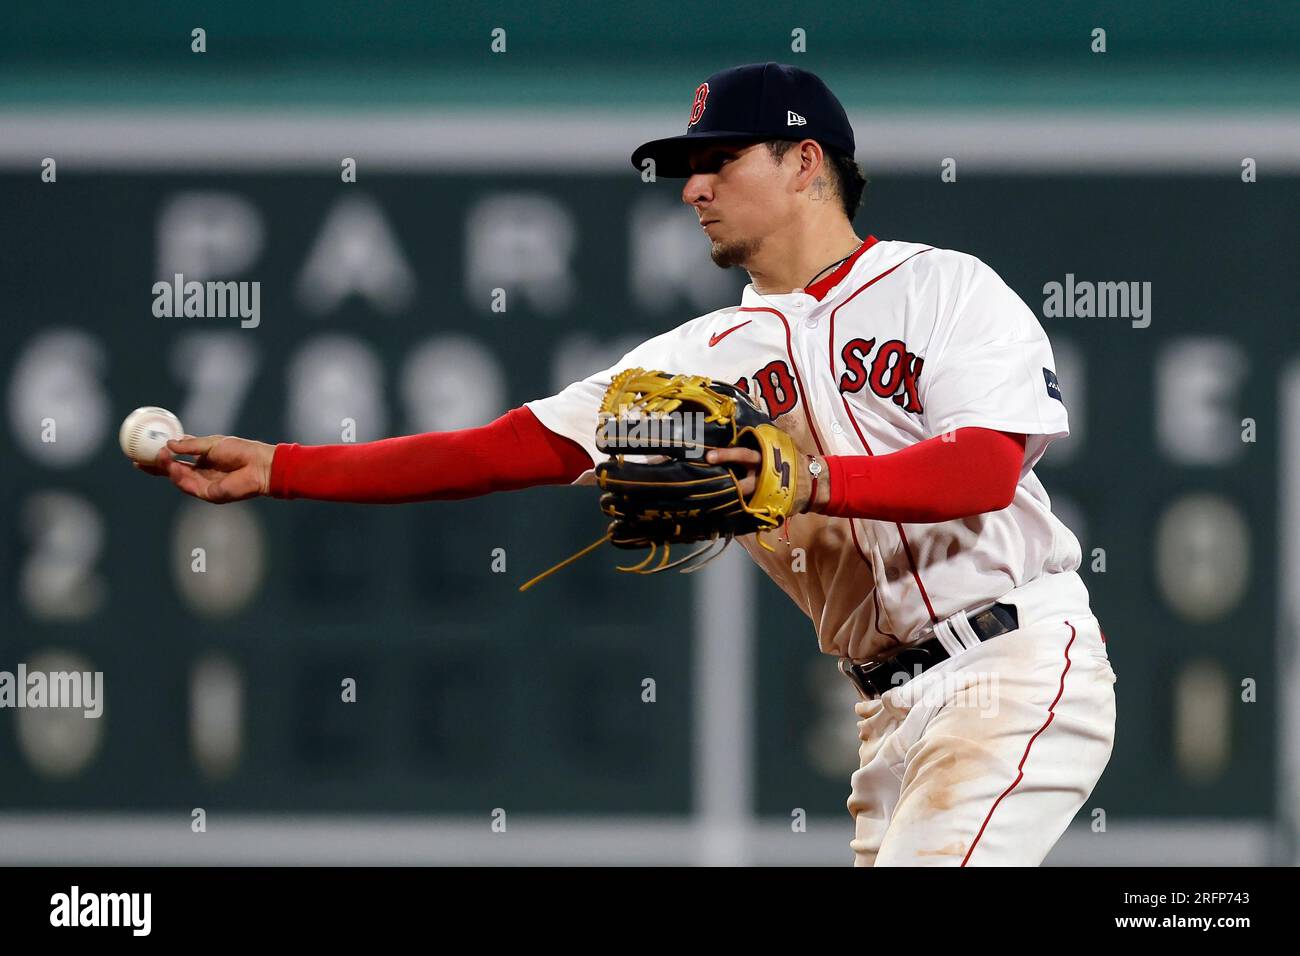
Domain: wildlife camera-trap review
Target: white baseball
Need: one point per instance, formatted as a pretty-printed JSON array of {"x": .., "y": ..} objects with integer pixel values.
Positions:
[{"x": 146, "y": 430}]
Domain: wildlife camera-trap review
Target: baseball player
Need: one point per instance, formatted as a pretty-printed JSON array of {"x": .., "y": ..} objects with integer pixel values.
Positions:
[{"x": 919, "y": 392}]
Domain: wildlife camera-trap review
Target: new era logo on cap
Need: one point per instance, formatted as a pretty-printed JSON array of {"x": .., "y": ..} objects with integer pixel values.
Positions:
[{"x": 794, "y": 119}]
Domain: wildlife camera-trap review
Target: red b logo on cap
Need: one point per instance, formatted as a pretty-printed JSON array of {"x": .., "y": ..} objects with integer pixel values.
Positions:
[{"x": 697, "y": 108}]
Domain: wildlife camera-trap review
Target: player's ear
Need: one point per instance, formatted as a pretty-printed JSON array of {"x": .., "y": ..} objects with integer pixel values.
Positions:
[{"x": 812, "y": 163}]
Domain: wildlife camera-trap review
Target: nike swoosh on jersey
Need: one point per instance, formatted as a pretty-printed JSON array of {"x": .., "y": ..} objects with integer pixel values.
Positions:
[{"x": 719, "y": 336}]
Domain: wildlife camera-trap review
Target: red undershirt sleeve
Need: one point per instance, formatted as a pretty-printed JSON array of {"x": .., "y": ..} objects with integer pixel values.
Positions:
[
  {"x": 515, "y": 451},
  {"x": 934, "y": 480}
]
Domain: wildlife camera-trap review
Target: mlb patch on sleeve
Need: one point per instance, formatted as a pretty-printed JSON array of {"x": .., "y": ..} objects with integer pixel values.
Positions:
[{"x": 1053, "y": 386}]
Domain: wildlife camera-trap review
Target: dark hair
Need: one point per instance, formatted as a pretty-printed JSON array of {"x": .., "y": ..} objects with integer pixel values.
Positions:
[{"x": 846, "y": 174}]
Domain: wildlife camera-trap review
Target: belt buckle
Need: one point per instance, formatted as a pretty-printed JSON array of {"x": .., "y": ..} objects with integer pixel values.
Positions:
[
  {"x": 919, "y": 655},
  {"x": 857, "y": 671}
]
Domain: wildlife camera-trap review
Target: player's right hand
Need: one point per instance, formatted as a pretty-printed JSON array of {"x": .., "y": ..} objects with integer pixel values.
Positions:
[{"x": 226, "y": 468}]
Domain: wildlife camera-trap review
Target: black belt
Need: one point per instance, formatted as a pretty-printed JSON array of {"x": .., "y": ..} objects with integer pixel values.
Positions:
[{"x": 873, "y": 678}]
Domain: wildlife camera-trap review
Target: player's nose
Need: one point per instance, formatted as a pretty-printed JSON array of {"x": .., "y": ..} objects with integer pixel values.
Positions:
[{"x": 698, "y": 187}]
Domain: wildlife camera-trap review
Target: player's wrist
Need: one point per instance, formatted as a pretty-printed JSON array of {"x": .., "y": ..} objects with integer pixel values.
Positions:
[
  {"x": 276, "y": 468},
  {"x": 836, "y": 483},
  {"x": 266, "y": 461},
  {"x": 817, "y": 477}
]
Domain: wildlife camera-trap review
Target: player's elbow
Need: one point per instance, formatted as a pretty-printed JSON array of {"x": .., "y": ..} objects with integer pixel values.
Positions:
[
  {"x": 999, "y": 477},
  {"x": 988, "y": 500},
  {"x": 1006, "y": 452},
  {"x": 1004, "y": 479},
  {"x": 1001, "y": 490},
  {"x": 1004, "y": 494}
]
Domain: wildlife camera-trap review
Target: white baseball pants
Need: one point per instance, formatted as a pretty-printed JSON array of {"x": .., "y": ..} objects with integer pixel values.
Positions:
[{"x": 985, "y": 758}]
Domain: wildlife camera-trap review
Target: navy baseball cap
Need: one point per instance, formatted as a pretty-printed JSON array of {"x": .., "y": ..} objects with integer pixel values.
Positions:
[{"x": 760, "y": 101}]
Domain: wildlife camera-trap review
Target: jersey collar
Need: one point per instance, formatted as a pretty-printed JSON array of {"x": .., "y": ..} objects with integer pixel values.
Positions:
[
  {"x": 823, "y": 285},
  {"x": 819, "y": 289}
]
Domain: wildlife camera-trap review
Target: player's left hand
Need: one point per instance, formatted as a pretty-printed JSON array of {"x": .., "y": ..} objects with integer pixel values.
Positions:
[
  {"x": 750, "y": 487},
  {"x": 738, "y": 456},
  {"x": 751, "y": 459}
]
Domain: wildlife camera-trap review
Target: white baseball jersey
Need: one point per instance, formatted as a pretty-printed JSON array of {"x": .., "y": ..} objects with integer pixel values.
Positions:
[{"x": 901, "y": 343}]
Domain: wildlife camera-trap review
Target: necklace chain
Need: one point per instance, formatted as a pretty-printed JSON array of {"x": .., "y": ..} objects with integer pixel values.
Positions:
[{"x": 832, "y": 266}]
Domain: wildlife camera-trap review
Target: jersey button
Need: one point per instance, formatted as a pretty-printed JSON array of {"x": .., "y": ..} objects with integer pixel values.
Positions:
[{"x": 837, "y": 428}]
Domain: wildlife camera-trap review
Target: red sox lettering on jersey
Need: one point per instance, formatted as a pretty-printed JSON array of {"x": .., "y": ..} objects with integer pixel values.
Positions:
[
  {"x": 902, "y": 342},
  {"x": 892, "y": 374}
]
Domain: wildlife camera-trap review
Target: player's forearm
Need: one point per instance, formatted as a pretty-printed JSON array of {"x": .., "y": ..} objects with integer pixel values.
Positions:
[
  {"x": 515, "y": 451},
  {"x": 934, "y": 480}
]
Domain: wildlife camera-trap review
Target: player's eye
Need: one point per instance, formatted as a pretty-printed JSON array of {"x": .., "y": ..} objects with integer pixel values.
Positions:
[{"x": 711, "y": 163}]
